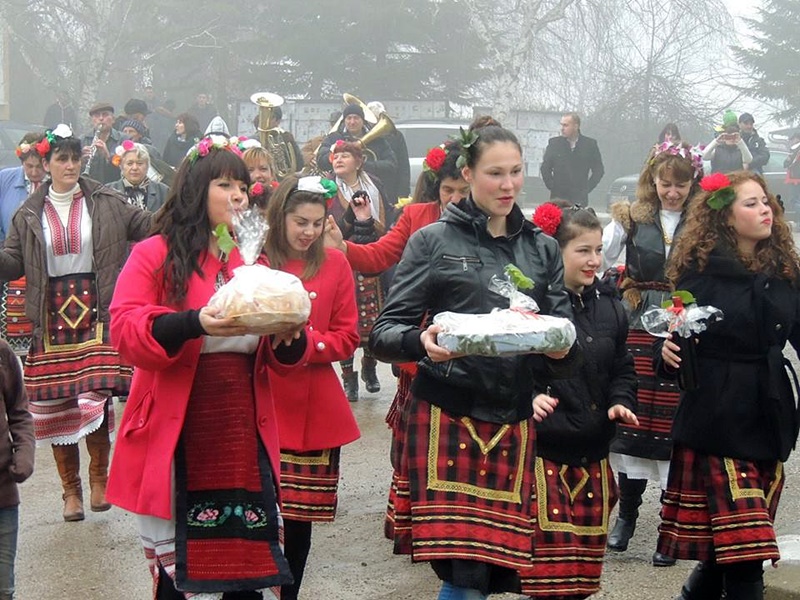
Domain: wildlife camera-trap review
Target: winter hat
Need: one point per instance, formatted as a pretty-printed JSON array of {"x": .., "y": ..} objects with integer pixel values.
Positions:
[
  {"x": 729, "y": 118},
  {"x": 137, "y": 125},
  {"x": 352, "y": 109},
  {"x": 218, "y": 126},
  {"x": 746, "y": 118}
]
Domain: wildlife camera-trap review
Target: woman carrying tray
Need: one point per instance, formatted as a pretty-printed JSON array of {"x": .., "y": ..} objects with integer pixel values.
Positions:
[
  {"x": 470, "y": 435},
  {"x": 575, "y": 488}
]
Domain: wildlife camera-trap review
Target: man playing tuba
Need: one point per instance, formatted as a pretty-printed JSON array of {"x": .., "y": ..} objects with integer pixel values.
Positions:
[{"x": 380, "y": 160}]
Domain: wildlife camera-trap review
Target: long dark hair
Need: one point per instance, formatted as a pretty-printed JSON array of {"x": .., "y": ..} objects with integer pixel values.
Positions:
[
  {"x": 183, "y": 220},
  {"x": 285, "y": 200},
  {"x": 428, "y": 184}
]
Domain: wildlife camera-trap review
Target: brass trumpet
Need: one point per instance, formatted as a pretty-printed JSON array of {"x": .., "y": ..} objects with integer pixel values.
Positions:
[{"x": 382, "y": 126}]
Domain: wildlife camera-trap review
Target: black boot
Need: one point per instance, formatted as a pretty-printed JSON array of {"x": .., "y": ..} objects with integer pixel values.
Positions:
[
  {"x": 744, "y": 581},
  {"x": 350, "y": 384},
  {"x": 368, "y": 374},
  {"x": 745, "y": 590},
  {"x": 704, "y": 583},
  {"x": 630, "y": 499},
  {"x": 662, "y": 560}
]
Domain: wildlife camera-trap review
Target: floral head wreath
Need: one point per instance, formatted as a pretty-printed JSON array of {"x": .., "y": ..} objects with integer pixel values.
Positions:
[
  {"x": 234, "y": 144},
  {"x": 548, "y": 217},
  {"x": 43, "y": 147},
  {"x": 119, "y": 151},
  {"x": 693, "y": 154},
  {"x": 25, "y": 148},
  {"x": 722, "y": 192},
  {"x": 318, "y": 185}
]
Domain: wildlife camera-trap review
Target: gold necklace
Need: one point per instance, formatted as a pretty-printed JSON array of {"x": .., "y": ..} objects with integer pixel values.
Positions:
[{"x": 667, "y": 239}]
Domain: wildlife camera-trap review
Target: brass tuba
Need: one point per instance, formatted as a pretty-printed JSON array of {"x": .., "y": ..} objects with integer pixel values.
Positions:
[{"x": 283, "y": 154}]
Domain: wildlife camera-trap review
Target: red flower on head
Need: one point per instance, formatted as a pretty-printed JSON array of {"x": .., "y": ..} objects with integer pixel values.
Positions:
[
  {"x": 717, "y": 181},
  {"x": 435, "y": 158},
  {"x": 547, "y": 218},
  {"x": 273, "y": 184},
  {"x": 256, "y": 189},
  {"x": 43, "y": 147}
]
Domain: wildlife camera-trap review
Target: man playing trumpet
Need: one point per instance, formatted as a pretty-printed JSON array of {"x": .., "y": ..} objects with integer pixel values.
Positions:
[{"x": 380, "y": 160}]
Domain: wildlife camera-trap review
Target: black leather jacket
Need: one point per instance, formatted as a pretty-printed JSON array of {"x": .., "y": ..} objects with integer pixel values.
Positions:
[{"x": 447, "y": 266}]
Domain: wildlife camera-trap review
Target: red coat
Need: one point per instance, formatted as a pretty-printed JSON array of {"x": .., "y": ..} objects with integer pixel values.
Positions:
[
  {"x": 140, "y": 478},
  {"x": 387, "y": 251},
  {"x": 313, "y": 411}
]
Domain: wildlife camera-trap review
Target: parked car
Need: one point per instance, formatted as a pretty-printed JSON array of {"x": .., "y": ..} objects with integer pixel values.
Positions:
[
  {"x": 624, "y": 188},
  {"x": 421, "y": 136},
  {"x": 11, "y": 132}
]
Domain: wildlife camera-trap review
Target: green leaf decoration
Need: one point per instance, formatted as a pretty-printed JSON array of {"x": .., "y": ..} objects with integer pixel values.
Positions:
[
  {"x": 518, "y": 278},
  {"x": 721, "y": 198},
  {"x": 224, "y": 240},
  {"x": 686, "y": 297}
]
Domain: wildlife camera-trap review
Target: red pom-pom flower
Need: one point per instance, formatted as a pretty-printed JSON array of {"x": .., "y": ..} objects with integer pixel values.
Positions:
[
  {"x": 43, "y": 147},
  {"x": 714, "y": 182},
  {"x": 547, "y": 218},
  {"x": 256, "y": 189},
  {"x": 435, "y": 158}
]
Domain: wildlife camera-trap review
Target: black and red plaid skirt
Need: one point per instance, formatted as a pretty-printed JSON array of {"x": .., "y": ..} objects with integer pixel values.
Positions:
[
  {"x": 309, "y": 484},
  {"x": 369, "y": 298},
  {"x": 15, "y": 327},
  {"x": 397, "y": 525},
  {"x": 657, "y": 402},
  {"x": 74, "y": 353},
  {"x": 227, "y": 523},
  {"x": 572, "y": 507},
  {"x": 720, "y": 508},
  {"x": 471, "y": 484}
]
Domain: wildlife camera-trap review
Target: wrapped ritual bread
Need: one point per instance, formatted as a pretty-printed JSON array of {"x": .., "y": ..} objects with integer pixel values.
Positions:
[
  {"x": 506, "y": 331},
  {"x": 265, "y": 300}
]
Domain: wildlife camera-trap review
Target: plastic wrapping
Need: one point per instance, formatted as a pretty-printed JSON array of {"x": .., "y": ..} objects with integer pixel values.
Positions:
[
  {"x": 505, "y": 331},
  {"x": 693, "y": 319},
  {"x": 263, "y": 299}
]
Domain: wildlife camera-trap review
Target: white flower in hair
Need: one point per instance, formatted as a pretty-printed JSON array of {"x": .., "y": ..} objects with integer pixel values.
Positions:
[
  {"x": 311, "y": 183},
  {"x": 248, "y": 143},
  {"x": 62, "y": 131}
]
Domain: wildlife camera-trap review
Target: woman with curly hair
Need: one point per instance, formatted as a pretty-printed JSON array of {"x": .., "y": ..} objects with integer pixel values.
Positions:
[
  {"x": 646, "y": 230},
  {"x": 733, "y": 432}
]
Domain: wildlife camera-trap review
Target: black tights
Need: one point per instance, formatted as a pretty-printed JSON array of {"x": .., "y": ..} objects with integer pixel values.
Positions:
[
  {"x": 166, "y": 590},
  {"x": 297, "y": 544}
]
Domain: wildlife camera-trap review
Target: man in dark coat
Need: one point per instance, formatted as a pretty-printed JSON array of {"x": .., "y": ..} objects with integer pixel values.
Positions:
[
  {"x": 402, "y": 177},
  {"x": 568, "y": 161},
  {"x": 106, "y": 139},
  {"x": 381, "y": 161},
  {"x": 755, "y": 143}
]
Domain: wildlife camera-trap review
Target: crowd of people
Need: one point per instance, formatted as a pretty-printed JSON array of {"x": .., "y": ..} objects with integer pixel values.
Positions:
[{"x": 506, "y": 467}]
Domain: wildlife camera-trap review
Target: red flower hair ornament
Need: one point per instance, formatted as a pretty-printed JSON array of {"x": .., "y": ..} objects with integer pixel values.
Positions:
[
  {"x": 547, "y": 218},
  {"x": 722, "y": 190}
]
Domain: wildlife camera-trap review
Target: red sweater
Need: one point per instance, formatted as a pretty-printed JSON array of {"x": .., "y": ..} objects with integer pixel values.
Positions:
[
  {"x": 141, "y": 471},
  {"x": 312, "y": 409},
  {"x": 386, "y": 252}
]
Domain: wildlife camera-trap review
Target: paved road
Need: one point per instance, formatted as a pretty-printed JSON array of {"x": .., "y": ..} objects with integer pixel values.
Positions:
[{"x": 100, "y": 558}]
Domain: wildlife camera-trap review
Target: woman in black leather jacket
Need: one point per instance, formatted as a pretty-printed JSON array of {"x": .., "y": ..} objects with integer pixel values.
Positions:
[
  {"x": 470, "y": 444},
  {"x": 576, "y": 418},
  {"x": 732, "y": 433}
]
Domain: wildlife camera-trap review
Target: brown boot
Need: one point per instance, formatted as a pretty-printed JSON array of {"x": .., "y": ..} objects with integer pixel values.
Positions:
[
  {"x": 99, "y": 447},
  {"x": 68, "y": 461}
]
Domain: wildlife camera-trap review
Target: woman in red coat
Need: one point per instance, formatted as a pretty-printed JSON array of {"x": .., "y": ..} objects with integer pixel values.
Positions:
[
  {"x": 197, "y": 457},
  {"x": 314, "y": 416},
  {"x": 440, "y": 184}
]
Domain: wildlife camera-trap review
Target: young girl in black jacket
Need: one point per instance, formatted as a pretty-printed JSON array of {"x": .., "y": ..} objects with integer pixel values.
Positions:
[
  {"x": 574, "y": 485},
  {"x": 732, "y": 433}
]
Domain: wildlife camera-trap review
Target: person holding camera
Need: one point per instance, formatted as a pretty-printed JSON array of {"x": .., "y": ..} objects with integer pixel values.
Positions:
[{"x": 728, "y": 152}]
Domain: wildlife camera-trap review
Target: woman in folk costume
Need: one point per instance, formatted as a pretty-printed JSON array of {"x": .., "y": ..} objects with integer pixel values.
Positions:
[
  {"x": 198, "y": 456},
  {"x": 576, "y": 417},
  {"x": 16, "y": 184},
  {"x": 470, "y": 435},
  {"x": 646, "y": 231},
  {"x": 314, "y": 416},
  {"x": 70, "y": 239},
  {"x": 353, "y": 182},
  {"x": 734, "y": 430},
  {"x": 440, "y": 184}
]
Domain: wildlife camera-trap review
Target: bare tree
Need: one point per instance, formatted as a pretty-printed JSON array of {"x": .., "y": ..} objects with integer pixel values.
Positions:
[{"x": 510, "y": 37}]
